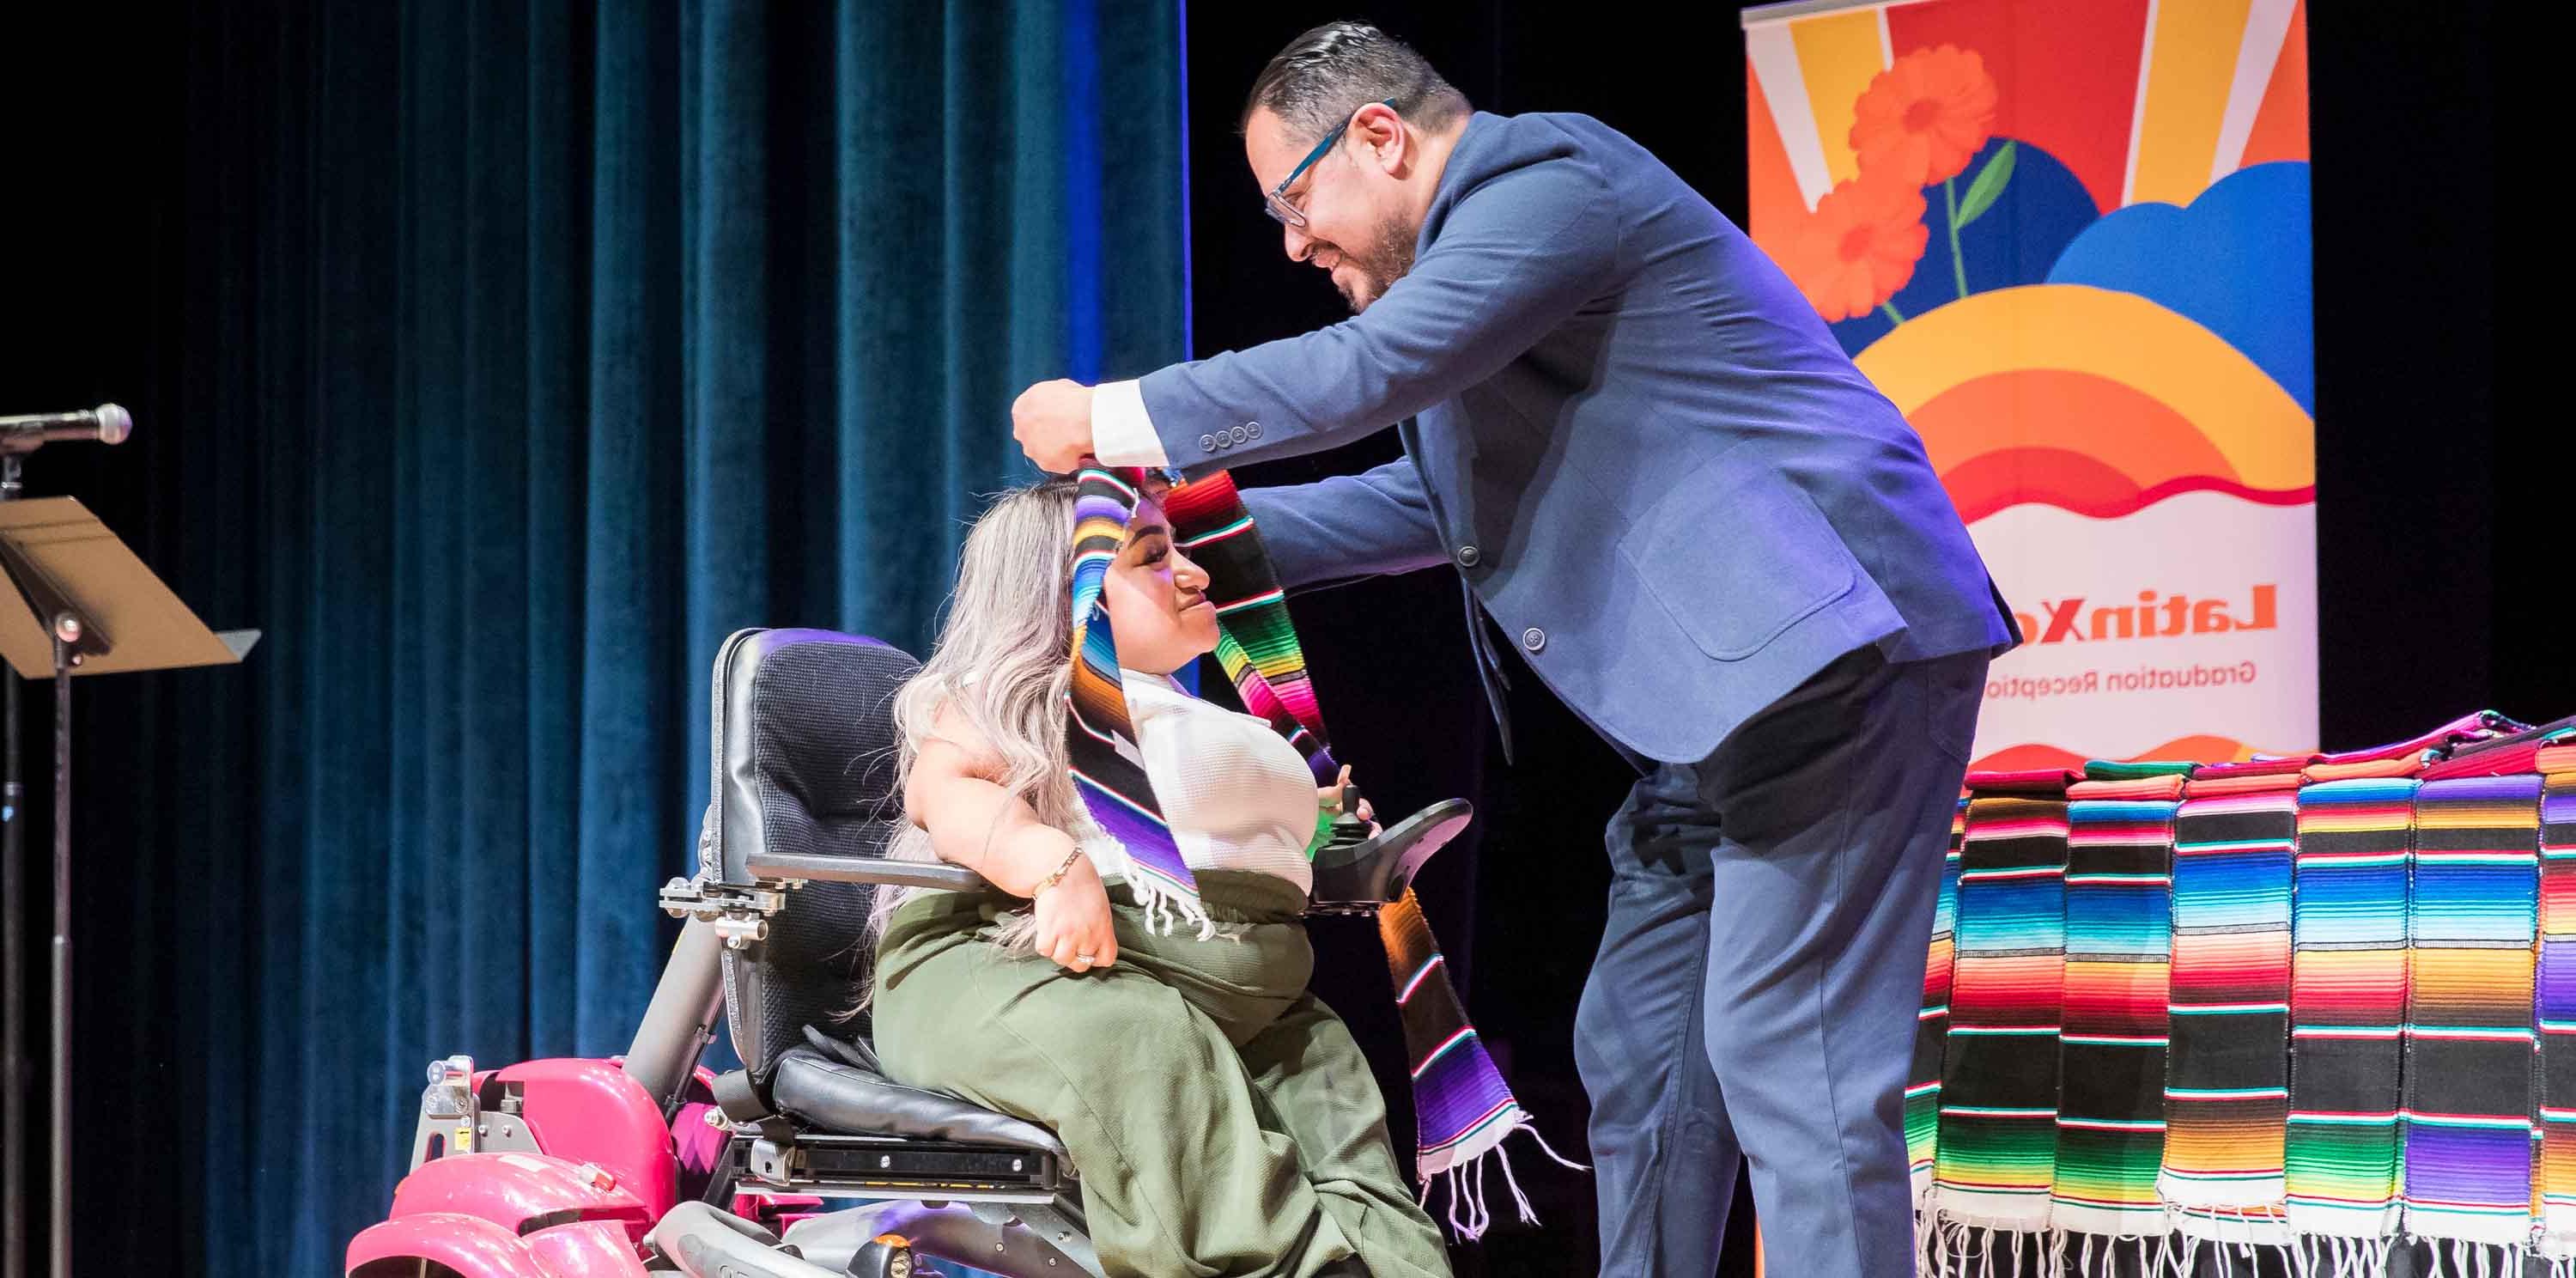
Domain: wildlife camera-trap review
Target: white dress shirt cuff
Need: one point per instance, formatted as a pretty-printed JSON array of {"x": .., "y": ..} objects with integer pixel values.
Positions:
[{"x": 1121, "y": 433}]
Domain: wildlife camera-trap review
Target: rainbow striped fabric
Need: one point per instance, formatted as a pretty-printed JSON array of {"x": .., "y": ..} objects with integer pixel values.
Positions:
[
  {"x": 1996, "y": 1158},
  {"x": 2227, "y": 1084},
  {"x": 2111, "y": 1058},
  {"x": 1461, "y": 1106},
  {"x": 2348, "y": 1001},
  {"x": 2555, "y": 1000},
  {"x": 2470, "y": 1043},
  {"x": 1464, "y": 1108},
  {"x": 1256, "y": 645},
  {"x": 1108, "y": 771},
  {"x": 2336, "y": 994},
  {"x": 1932, "y": 1025}
]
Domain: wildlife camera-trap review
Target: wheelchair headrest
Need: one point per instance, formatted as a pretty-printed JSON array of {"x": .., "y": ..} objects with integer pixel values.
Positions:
[{"x": 805, "y": 761}]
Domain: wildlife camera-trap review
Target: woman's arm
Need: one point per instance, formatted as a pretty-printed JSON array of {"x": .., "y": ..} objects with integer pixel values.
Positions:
[{"x": 974, "y": 822}]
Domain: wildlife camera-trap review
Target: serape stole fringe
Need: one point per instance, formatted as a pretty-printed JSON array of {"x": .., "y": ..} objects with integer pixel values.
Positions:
[
  {"x": 2555, "y": 997},
  {"x": 1996, "y": 1157},
  {"x": 2111, "y": 1058},
  {"x": 1463, "y": 1107},
  {"x": 2473, "y": 914},
  {"x": 2348, "y": 999},
  {"x": 1932, "y": 1024},
  {"x": 2227, "y": 1092}
]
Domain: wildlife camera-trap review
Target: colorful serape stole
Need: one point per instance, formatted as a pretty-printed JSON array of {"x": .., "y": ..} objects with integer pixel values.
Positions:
[
  {"x": 2111, "y": 1058},
  {"x": 2227, "y": 1086},
  {"x": 2473, "y": 915},
  {"x": 2348, "y": 1002},
  {"x": 1463, "y": 1106},
  {"x": 1108, "y": 769},
  {"x": 1996, "y": 1159},
  {"x": 2556, "y": 999},
  {"x": 1256, "y": 645},
  {"x": 1932, "y": 1024}
]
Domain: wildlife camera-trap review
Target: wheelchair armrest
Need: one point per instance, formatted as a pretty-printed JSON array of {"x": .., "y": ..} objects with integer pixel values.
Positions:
[
  {"x": 844, "y": 869},
  {"x": 1357, "y": 878}
]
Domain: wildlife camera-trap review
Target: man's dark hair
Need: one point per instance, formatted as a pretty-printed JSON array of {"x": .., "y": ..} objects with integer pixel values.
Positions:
[{"x": 1324, "y": 76}]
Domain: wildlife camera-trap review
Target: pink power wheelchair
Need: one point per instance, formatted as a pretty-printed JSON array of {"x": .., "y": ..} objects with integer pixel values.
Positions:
[{"x": 649, "y": 1164}]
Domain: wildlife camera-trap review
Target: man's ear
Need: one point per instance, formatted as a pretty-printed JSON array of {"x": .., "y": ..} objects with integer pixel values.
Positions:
[{"x": 1381, "y": 130}]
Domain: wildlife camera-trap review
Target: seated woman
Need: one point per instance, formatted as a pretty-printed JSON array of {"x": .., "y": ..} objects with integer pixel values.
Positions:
[{"x": 1222, "y": 1119}]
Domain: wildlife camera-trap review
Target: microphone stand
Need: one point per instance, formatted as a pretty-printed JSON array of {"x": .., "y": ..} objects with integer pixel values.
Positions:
[
  {"x": 72, "y": 638},
  {"x": 76, "y": 580},
  {"x": 13, "y": 945}
]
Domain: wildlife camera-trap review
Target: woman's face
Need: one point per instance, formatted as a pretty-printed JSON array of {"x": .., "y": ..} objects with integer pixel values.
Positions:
[{"x": 1157, "y": 599}]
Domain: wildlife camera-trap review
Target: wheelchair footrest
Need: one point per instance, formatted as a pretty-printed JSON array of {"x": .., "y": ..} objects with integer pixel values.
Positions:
[{"x": 878, "y": 1166}]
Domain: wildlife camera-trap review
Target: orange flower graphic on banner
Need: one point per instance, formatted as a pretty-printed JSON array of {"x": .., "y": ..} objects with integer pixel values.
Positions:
[
  {"x": 1922, "y": 118},
  {"x": 1859, "y": 246}
]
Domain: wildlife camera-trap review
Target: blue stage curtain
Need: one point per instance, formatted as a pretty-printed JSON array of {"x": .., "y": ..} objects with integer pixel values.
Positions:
[{"x": 498, "y": 358}]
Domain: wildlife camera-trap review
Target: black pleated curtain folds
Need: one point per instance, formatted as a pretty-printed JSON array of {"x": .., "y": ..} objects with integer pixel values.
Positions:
[{"x": 498, "y": 358}]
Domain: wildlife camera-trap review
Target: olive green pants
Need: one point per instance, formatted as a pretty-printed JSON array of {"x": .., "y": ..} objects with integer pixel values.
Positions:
[{"x": 1222, "y": 1119}]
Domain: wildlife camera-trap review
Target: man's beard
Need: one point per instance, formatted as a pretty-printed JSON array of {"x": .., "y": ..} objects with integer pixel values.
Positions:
[{"x": 1389, "y": 258}]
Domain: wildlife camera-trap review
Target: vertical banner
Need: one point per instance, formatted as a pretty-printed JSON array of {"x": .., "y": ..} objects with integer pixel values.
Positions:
[{"x": 2071, "y": 242}]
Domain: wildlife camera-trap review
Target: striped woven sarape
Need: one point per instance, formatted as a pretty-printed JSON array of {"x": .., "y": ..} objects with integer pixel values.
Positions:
[
  {"x": 2473, "y": 914},
  {"x": 1932, "y": 1025},
  {"x": 2348, "y": 1005},
  {"x": 2227, "y": 1080},
  {"x": 1100, "y": 740},
  {"x": 2555, "y": 996},
  {"x": 2111, "y": 1058},
  {"x": 1995, "y": 1163},
  {"x": 1464, "y": 1109}
]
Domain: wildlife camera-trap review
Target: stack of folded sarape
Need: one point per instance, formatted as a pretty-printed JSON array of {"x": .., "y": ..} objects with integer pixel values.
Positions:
[{"x": 2325, "y": 1004}]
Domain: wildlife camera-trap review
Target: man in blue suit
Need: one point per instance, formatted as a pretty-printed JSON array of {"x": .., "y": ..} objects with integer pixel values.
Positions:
[{"x": 1705, "y": 531}]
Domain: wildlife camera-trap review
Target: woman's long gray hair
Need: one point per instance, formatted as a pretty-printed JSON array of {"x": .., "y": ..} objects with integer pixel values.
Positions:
[{"x": 1002, "y": 661}]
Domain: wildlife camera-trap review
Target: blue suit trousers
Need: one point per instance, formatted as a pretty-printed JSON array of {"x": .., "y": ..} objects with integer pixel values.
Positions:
[{"x": 1755, "y": 995}]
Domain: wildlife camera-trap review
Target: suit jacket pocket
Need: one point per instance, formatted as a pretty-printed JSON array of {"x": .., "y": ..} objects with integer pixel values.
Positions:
[{"x": 1737, "y": 559}]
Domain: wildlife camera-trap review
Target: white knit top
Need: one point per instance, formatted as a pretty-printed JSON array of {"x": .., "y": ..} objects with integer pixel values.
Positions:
[{"x": 1235, "y": 794}]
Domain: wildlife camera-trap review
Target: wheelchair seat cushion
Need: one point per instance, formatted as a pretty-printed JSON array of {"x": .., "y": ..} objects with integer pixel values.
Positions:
[{"x": 836, "y": 1096}]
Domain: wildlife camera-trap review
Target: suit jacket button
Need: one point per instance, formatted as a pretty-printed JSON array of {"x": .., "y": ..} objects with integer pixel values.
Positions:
[
  {"x": 1207, "y": 443},
  {"x": 1239, "y": 434},
  {"x": 1253, "y": 429},
  {"x": 1534, "y": 639},
  {"x": 1467, "y": 556}
]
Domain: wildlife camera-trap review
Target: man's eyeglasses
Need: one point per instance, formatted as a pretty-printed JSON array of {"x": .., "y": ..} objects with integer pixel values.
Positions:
[{"x": 1277, "y": 202}]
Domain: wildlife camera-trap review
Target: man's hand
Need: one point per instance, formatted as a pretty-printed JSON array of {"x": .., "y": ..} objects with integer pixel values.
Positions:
[{"x": 1052, "y": 421}]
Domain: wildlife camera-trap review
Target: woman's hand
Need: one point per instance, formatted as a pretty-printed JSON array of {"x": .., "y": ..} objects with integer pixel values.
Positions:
[
  {"x": 1331, "y": 798},
  {"x": 1074, "y": 928}
]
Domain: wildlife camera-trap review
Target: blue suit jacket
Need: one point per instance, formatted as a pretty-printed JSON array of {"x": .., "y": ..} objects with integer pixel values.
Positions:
[{"x": 1634, "y": 439}]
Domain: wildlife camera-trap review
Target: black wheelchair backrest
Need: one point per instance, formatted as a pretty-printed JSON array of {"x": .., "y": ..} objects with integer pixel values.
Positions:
[{"x": 805, "y": 761}]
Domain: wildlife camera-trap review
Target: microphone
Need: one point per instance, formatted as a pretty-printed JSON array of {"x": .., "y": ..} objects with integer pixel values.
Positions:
[{"x": 107, "y": 424}]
